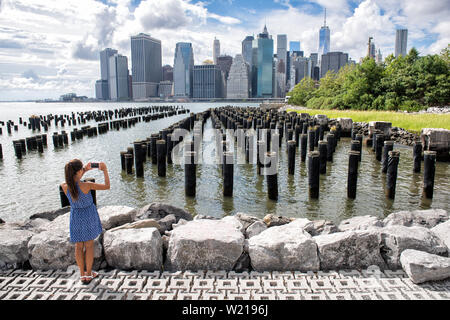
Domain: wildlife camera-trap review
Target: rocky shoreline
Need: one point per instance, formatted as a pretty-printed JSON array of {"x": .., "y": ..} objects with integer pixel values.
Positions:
[{"x": 162, "y": 237}]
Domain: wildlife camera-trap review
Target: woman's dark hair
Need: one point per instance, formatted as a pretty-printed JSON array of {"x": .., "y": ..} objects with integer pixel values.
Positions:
[{"x": 71, "y": 169}]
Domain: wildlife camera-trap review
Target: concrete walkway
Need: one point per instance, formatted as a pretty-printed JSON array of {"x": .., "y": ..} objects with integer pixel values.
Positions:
[{"x": 370, "y": 284}]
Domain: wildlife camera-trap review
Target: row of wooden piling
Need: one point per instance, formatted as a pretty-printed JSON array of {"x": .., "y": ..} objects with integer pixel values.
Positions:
[
  {"x": 36, "y": 122},
  {"x": 158, "y": 149},
  {"x": 304, "y": 133},
  {"x": 21, "y": 146}
]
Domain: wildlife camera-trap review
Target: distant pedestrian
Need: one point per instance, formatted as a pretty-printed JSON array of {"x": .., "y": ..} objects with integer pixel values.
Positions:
[{"x": 85, "y": 223}]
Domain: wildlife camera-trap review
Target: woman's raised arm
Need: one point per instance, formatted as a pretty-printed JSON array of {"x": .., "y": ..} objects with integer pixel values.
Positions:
[{"x": 99, "y": 186}]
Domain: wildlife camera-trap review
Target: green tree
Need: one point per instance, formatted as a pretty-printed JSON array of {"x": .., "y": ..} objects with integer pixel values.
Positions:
[{"x": 302, "y": 92}]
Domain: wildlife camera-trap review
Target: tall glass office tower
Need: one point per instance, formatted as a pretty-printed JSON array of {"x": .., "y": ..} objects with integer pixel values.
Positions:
[
  {"x": 104, "y": 72},
  {"x": 247, "y": 45},
  {"x": 146, "y": 61},
  {"x": 264, "y": 87},
  {"x": 324, "y": 38},
  {"x": 401, "y": 40},
  {"x": 118, "y": 78},
  {"x": 183, "y": 68},
  {"x": 216, "y": 50}
]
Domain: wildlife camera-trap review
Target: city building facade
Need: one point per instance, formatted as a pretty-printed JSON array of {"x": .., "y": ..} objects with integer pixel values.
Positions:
[
  {"x": 183, "y": 69},
  {"x": 146, "y": 59},
  {"x": 216, "y": 50},
  {"x": 239, "y": 81},
  {"x": 167, "y": 73},
  {"x": 118, "y": 78},
  {"x": 165, "y": 89},
  {"x": 102, "y": 90},
  {"x": 265, "y": 74},
  {"x": 401, "y": 42},
  {"x": 332, "y": 61},
  {"x": 282, "y": 51},
  {"x": 207, "y": 82},
  {"x": 104, "y": 74},
  {"x": 247, "y": 49}
]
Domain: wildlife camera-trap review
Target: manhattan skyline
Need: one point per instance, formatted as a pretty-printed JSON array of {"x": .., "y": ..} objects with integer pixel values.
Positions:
[{"x": 43, "y": 55}]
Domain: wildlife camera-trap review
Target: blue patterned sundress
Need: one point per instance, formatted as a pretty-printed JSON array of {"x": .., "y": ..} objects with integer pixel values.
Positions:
[{"x": 85, "y": 224}]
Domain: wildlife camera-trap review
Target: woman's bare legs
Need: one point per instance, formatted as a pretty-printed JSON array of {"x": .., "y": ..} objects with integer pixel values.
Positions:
[
  {"x": 89, "y": 245},
  {"x": 79, "y": 257}
]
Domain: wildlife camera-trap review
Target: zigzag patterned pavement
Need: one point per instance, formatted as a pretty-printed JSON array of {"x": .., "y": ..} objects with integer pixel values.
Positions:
[{"x": 370, "y": 284}]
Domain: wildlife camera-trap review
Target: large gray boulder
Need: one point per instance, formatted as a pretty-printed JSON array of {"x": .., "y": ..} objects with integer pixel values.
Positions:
[
  {"x": 395, "y": 239},
  {"x": 114, "y": 216},
  {"x": 158, "y": 210},
  {"x": 436, "y": 139},
  {"x": 419, "y": 218},
  {"x": 139, "y": 249},
  {"x": 204, "y": 245},
  {"x": 50, "y": 215},
  {"x": 384, "y": 126},
  {"x": 422, "y": 266},
  {"x": 284, "y": 248},
  {"x": 360, "y": 223},
  {"x": 350, "y": 250},
  {"x": 346, "y": 125},
  {"x": 52, "y": 249},
  {"x": 246, "y": 219},
  {"x": 255, "y": 228},
  {"x": 13, "y": 247},
  {"x": 322, "y": 227},
  {"x": 442, "y": 230},
  {"x": 140, "y": 224}
]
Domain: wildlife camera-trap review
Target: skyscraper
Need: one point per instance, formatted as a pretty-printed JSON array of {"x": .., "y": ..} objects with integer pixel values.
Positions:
[
  {"x": 324, "y": 37},
  {"x": 118, "y": 78},
  {"x": 183, "y": 68},
  {"x": 301, "y": 67},
  {"x": 379, "y": 57},
  {"x": 332, "y": 61},
  {"x": 315, "y": 69},
  {"x": 207, "y": 82},
  {"x": 239, "y": 81},
  {"x": 103, "y": 85},
  {"x": 216, "y": 50},
  {"x": 102, "y": 90},
  {"x": 247, "y": 45},
  {"x": 282, "y": 50},
  {"x": 401, "y": 42},
  {"x": 265, "y": 74},
  {"x": 167, "y": 71},
  {"x": 146, "y": 65}
]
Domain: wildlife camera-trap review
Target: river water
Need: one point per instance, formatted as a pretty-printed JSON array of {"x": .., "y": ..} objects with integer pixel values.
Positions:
[{"x": 30, "y": 185}]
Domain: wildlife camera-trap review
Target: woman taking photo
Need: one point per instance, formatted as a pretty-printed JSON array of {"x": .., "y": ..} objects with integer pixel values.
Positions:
[{"x": 85, "y": 223}]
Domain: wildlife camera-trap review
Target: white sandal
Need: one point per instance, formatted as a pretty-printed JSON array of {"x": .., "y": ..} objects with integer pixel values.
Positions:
[{"x": 92, "y": 277}]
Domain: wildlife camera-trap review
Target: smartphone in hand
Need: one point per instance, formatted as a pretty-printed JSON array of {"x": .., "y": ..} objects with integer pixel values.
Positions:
[{"x": 94, "y": 165}]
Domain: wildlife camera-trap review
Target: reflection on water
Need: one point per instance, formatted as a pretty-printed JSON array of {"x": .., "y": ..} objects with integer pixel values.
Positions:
[{"x": 33, "y": 181}]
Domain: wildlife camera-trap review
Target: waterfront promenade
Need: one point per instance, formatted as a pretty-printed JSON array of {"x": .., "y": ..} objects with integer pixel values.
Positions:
[{"x": 368, "y": 284}]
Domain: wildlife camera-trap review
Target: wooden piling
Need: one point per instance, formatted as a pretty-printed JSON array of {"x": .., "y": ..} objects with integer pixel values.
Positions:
[
  {"x": 161, "y": 157},
  {"x": 417, "y": 156},
  {"x": 429, "y": 167},
  {"x": 313, "y": 174},
  {"x": 391, "y": 174},
  {"x": 291, "y": 157},
  {"x": 352, "y": 177}
]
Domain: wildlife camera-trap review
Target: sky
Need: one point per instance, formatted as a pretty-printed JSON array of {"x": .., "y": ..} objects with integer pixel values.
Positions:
[{"x": 51, "y": 47}]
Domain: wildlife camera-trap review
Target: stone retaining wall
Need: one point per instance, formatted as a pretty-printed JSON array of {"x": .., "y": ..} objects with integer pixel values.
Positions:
[{"x": 162, "y": 237}]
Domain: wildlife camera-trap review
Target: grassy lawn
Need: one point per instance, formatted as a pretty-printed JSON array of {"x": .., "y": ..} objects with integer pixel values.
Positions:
[{"x": 410, "y": 122}]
